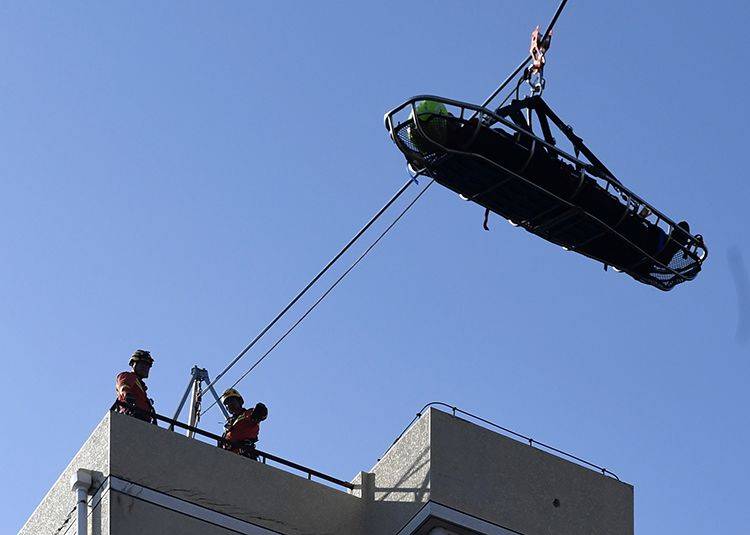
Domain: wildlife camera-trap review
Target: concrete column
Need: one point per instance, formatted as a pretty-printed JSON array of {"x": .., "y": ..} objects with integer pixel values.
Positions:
[{"x": 364, "y": 486}]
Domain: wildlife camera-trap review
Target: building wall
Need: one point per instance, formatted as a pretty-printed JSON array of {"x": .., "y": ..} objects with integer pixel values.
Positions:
[
  {"x": 440, "y": 461},
  {"x": 401, "y": 481},
  {"x": 54, "y": 514},
  {"x": 99, "y": 518},
  {"x": 225, "y": 482},
  {"x": 514, "y": 485},
  {"x": 132, "y": 516}
]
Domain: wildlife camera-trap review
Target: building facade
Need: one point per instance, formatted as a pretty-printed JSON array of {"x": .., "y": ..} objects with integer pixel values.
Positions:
[{"x": 443, "y": 476}]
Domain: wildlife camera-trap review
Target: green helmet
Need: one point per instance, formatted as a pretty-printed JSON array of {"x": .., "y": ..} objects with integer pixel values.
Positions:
[
  {"x": 431, "y": 121},
  {"x": 426, "y": 109}
]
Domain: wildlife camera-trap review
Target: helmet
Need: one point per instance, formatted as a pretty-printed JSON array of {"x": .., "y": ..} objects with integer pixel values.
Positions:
[
  {"x": 141, "y": 355},
  {"x": 426, "y": 109},
  {"x": 231, "y": 393},
  {"x": 432, "y": 123}
]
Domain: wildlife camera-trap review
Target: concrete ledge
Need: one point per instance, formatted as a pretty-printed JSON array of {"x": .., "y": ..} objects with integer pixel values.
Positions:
[
  {"x": 207, "y": 476},
  {"x": 501, "y": 480},
  {"x": 444, "y": 474}
]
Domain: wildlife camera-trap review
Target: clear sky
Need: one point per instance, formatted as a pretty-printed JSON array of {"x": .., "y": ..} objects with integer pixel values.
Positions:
[{"x": 172, "y": 173}]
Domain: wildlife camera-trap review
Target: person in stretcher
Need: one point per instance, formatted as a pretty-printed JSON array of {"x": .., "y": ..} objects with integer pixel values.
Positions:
[{"x": 531, "y": 183}]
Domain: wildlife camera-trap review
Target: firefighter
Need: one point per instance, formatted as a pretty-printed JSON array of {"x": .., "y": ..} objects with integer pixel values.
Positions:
[
  {"x": 243, "y": 425},
  {"x": 131, "y": 390}
]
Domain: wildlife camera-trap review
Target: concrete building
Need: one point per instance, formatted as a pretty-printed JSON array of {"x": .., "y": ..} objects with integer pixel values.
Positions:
[{"x": 443, "y": 476}]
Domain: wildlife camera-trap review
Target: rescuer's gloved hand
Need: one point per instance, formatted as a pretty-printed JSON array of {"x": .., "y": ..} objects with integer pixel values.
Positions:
[
  {"x": 130, "y": 399},
  {"x": 260, "y": 412}
]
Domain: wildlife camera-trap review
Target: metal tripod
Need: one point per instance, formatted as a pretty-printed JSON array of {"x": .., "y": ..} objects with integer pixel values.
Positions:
[{"x": 197, "y": 377}]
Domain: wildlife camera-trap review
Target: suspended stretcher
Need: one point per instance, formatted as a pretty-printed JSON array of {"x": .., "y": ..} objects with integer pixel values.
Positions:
[{"x": 496, "y": 160}]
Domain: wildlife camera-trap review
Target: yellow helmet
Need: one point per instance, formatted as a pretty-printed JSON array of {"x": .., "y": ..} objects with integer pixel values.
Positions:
[
  {"x": 432, "y": 123},
  {"x": 231, "y": 393},
  {"x": 141, "y": 354},
  {"x": 426, "y": 109}
]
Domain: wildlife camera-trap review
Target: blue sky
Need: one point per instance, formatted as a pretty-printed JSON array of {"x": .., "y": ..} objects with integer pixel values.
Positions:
[{"x": 172, "y": 175}]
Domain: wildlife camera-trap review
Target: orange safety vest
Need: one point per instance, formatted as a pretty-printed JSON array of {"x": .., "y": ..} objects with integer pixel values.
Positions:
[
  {"x": 130, "y": 383},
  {"x": 240, "y": 428}
]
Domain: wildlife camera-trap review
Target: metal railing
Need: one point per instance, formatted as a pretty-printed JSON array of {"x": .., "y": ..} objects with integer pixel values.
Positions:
[
  {"x": 695, "y": 246},
  {"x": 523, "y": 438},
  {"x": 262, "y": 455}
]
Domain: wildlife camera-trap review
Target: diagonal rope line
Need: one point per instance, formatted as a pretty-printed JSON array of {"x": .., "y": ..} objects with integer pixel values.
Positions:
[
  {"x": 373, "y": 219},
  {"x": 315, "y": 279},
  {"x": 329, "y": 290}
]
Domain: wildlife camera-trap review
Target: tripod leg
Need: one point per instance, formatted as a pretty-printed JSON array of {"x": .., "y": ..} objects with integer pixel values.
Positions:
[
  {"x": 195, "y": 407},
  {"x": 218, "y": 401},
  {"x": 183, "y": 400}
]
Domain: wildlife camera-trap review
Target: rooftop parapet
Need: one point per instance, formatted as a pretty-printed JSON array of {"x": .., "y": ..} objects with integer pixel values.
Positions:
[
  {"x": 150, "y": 480},
  {"x": 443, "y": 472},
  {"x": 444, "y": 461}
]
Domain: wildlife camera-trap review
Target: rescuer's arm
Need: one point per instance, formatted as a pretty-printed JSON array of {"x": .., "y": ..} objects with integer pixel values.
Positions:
[
  {"x": 125, "y": 387},
  {"x": 260, "y": 412}
]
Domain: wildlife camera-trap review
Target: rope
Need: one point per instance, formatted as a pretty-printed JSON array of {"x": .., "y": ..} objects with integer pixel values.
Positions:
[
  {"x": 329, "y": 290},
  {"x": 525, "y": 62},
  {"x": 315, "y": 279},
  {"x": 513, "y": 92},
  {"x": 373, "y": 219}
]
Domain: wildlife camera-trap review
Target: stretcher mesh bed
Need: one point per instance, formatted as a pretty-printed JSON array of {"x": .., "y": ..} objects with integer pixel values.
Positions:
[{"x": 496, "y": 160}]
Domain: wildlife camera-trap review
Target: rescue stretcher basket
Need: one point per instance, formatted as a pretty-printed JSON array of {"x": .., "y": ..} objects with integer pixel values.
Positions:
[{"x": 495, "y": 159}]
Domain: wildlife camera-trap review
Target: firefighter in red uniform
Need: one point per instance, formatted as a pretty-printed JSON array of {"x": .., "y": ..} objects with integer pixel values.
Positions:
[
  {"x": 243, "y": 425},
  {"x": 131, "y": 389}
]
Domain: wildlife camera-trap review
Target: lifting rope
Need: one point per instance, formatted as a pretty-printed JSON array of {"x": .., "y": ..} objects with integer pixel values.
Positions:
[
  {"x": 529, "y": 58},
  {"x": 329, "y": 290},
  {"x": 315, "y": 279}
]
